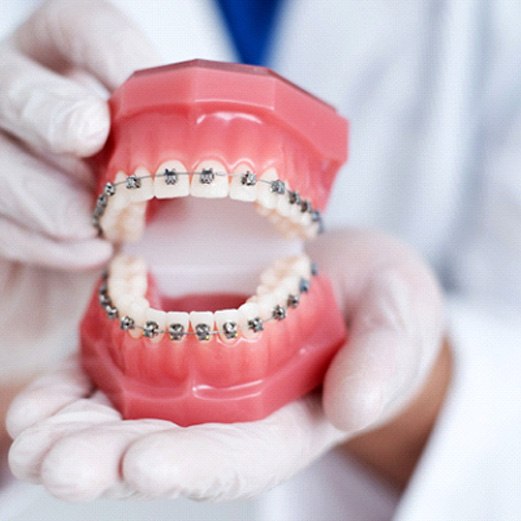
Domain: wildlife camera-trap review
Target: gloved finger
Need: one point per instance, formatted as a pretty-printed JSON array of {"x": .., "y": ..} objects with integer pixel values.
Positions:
[
  {"x": 49, "y": 111},
  {"x": 87, "y": 34},
  {"x": 394, "y": 308},
  {"x": 227, "y": 461},
  {"x": 47, "y": 395},
  {"x": 42, "y": 199},
  {"x": 22, "y": 245},
  {"x": 85, "y": 465},
  {"x": 31, "y": 446}
]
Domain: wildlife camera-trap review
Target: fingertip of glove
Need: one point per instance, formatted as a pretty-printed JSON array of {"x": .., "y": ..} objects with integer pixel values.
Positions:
[
  {"x": 354, "y": 407},
  {"x": 89, "y": 121},
  {"x": 66, "y": 478}
]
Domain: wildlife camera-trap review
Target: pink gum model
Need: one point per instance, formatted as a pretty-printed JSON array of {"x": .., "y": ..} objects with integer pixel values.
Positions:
[{"x": 213, "y": 130}]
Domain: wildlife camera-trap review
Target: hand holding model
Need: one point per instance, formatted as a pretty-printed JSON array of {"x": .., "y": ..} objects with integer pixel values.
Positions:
[
  {"x": 72, "y": 440},
  {"x": 52, "y": 115}
]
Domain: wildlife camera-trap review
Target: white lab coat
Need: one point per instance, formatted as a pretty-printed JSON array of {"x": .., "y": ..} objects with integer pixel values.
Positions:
[{"x": 433, "y": 92}]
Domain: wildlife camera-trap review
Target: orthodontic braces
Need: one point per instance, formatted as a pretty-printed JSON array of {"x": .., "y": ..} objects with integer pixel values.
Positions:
[
  {"x": 206, "y": 176},
  {"x": 202, "y": 331}
]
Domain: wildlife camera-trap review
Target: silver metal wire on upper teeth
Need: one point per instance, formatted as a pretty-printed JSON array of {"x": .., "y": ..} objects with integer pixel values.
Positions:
[
  {"x": 206, "y": 177},
  {"x": 203, "y": 332}
]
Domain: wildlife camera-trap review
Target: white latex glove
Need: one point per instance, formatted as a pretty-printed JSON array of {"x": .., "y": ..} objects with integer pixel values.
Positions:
[
  {"x": 50, "y": 118},
  {"x": 55, "y": 71},
  {"x": 69, "y": 438}
]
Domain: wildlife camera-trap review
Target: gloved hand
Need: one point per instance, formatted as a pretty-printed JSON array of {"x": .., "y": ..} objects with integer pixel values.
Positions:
[
  {"x": 55, "y": 68},
  {"x": 69, "y": 437},
  {"x": 55, "y": 72}
]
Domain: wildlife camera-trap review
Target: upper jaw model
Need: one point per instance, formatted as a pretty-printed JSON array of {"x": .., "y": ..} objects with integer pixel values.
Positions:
[{"x": 187, "y": 343}]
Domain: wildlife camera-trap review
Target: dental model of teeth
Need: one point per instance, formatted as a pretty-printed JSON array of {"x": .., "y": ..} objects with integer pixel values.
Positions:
[
  {"x": 123, "y": 289},
  {"x": 126, "y": 198},
  {"x": 160, "y": 347}
]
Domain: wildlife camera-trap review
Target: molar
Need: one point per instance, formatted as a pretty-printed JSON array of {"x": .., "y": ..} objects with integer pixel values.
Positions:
[
  {"x": 209, "y": 181},
  {"x": 171, "y": 180},
  {"x": 131, "y": 223}
]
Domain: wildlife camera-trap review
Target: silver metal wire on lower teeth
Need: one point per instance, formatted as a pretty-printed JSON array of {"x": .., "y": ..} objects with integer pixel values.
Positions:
[
  {"x": 207, "y": 177},
  {"x": 202, "y": 331}
]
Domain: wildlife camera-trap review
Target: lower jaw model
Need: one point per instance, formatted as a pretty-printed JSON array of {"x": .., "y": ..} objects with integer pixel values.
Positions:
[{"x": 211, "y": 336}]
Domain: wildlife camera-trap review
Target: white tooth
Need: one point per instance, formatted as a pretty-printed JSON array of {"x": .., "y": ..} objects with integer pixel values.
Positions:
[
  {"x": 117, "y": 287},
  {"x": 238, "y": 190},
  {"x": 146, "y": 188},
  {"x": 181, "y": 188},
  {"x": 270, "y": 277},
  {"x": 301, "y": 265},
  {"x": 177, "y": 317},
  {"x": 137, "y": 285},
  {"x": 132, "y": 222},
  {"x": 123, "y": 303},
  {"x": 281, "y": 296},
  {"x": 137, "y": 311},
  {"x": 248, "y": 312},
  {"x": 159, "y": 317},
  {"x": 217, "y": 188},
  {"x": 263, "y": 290},
  {"x": 135, "y": 266},
  {"x": 265, "y": 196},
  {"x": 121, "y": 198},
  {"x": 202, "y": 318},
  {"x": 290, "y": 284},
  {"x": 109, "y": 219},
  {"x": 283, "y": 206},
  {"x": 266, "y": 304},
  {"x": 227, "y": 316},
  {"x": 310, "y": 232},
  {"x": 305, "y": 219}
]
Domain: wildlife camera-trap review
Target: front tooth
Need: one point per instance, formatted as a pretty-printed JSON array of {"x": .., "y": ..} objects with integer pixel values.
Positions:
[
  {"x": 171, "y": 180},
  {"x": 153, "y": 318},
  {"x": 137, "y": 311},
  {"x": 243, "y": 186},
  {"x": 265, "y": 195},
  {"x": 209, "y": 180},
  {"x": 202, "y": 323},
  {"x": 177, "y": 323},
  {"x": 249, "y": 317},
  {"x": 227, "y": 323},
  {"x": 145, "y": 191}
]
